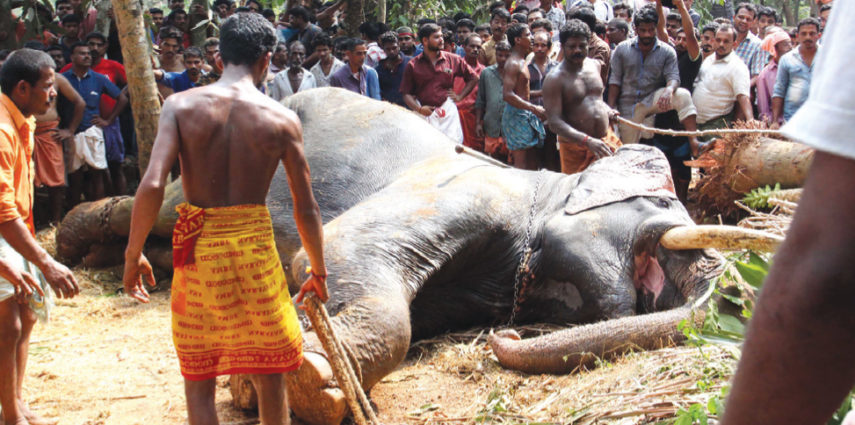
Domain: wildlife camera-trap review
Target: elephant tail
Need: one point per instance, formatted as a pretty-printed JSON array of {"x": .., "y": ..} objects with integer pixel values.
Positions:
[{"x": 567, "y": 350}]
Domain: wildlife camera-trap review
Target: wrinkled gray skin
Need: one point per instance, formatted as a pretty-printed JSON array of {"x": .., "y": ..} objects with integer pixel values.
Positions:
[{"x": 437, "y": 248}]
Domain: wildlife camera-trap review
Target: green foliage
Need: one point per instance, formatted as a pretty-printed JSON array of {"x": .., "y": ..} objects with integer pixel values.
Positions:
[
  {"x": 759, "y": 197},
  {"x": 840, "y": 414},
  {"x": 497, "y": 404}
]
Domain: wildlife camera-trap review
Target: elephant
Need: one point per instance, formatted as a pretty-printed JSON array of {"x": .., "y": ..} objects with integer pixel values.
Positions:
[{"x": 420, "y": 239}]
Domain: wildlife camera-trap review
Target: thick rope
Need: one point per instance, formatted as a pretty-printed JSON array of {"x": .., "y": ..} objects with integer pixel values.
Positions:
[
  {"x": 342, "y": 369},
  {"x": 714, "y": 132}
]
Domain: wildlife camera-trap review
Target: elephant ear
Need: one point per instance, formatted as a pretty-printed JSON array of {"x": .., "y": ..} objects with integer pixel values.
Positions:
[{"x": 634, "y": 170}]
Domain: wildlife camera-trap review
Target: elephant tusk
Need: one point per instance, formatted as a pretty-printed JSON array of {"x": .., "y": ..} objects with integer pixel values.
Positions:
[{"x": 720, "y": 237}]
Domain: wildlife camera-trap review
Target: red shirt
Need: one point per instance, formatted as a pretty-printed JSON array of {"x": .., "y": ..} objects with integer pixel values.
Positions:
[
  {"x": 430, "y": 83},
  {"x": 113, "y": 71}
]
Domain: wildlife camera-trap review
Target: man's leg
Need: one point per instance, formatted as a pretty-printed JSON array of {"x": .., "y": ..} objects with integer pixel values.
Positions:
[
  {"x": 56, "y": 195},
  {"x": 201, "y": 409},
  {"x": 272, "y": 399},
  {"x": 682, "y": 103},
  {"x": 117, "y": 176},
  {"x": 28, "y": 321},
  {"x": 526, "y": 159},
  {"x": 10, "y": 336}
]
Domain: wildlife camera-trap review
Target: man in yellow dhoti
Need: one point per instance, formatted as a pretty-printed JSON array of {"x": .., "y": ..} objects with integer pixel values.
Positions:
[{"x": 231, "y": 311}]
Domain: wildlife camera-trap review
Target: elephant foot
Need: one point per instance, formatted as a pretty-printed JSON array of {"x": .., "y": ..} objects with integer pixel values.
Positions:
[{"x": 312, "y": 395}]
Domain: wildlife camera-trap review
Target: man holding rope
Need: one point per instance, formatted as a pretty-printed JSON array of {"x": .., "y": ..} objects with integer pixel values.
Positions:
[{"x": 231, "y": 311}]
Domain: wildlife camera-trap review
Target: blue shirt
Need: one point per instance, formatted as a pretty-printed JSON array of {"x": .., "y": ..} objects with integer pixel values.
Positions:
[
  {"x": 367, "y": 84},
  {"x": 90, "y": 88},
  {"x": 390, "y": 81},
  {"x": 793, "y": 81},
  {"x": 177, "y": 81}
]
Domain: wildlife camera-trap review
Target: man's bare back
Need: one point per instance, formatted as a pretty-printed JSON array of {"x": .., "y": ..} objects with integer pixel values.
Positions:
[
  {"x": 230, "y": 142},
  {"x": 517, "y": 73}
]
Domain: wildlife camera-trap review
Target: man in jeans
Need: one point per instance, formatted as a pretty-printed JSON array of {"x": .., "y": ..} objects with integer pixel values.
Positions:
[{"x": 794, "y": 72}]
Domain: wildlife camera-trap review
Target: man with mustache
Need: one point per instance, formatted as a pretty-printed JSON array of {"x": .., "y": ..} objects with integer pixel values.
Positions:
[
  {"x": 708, "y": 39},
  {"x": 573, "y": 97},
  {"x": 522, "y": 119},
  {"x": 641, "y": 66},
  {"x": 794, "y": 72},
  {"x": 180, "y": 81},
  {"x": 499, "y": 20}
]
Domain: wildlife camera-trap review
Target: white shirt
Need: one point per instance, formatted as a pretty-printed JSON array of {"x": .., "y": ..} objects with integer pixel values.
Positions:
[
  {"x": 826, "y": 120},
  {"x": 718, "y": 84},
  {"x": 322, "y": 80},
  {"x": 280, "y": 88}
]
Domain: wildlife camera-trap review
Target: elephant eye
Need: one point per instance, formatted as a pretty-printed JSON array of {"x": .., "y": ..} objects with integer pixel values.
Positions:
[{"x": 663, "y": 203}]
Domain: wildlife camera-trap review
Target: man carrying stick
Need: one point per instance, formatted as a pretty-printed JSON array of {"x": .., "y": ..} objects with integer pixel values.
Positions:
[{"x": 231, "y": 309}]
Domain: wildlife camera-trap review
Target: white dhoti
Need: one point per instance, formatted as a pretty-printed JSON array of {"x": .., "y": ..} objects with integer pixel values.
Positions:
[
  {"x": 446, "y": 119},
  {"x": 89, "y": 149},
  {"x": 40, "y": 305}
]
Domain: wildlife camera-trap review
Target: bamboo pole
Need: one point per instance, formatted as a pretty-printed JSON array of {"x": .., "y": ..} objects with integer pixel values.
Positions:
[{"x": 143, "y": 90}]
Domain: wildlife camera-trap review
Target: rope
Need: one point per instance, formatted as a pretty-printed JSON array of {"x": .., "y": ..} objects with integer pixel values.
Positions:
[
  {"x": 714, "y": 132},
  {"x": 342, "y": 369}
]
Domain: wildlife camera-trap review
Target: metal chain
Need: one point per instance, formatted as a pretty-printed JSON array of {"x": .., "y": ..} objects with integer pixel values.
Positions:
[{"x": 525, "y": 257}]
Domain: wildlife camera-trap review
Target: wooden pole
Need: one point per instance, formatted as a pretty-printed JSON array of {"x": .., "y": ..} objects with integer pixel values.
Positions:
[
  {"x": 381, "y": 11},
  {"x": 143, "y": 90},
  {"x": 355, "y": 15}
]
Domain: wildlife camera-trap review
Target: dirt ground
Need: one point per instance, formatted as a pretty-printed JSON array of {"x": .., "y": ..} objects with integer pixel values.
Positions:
[{"x": 105, "y": 359}]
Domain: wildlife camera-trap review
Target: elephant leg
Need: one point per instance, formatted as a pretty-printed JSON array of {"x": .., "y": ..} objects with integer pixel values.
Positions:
[{"x": 376, "y": 334}]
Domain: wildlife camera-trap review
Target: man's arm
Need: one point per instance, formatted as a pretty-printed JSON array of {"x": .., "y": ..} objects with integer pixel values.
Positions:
[
  {"x": 79, "y": 107},
  {"x": 509, "y": 83},
  {"x": 661, "y": 33},
  {"x": 15, "y": 232},
  {"x": 147, "y": 202},
  {"x": 307, "y": 215},
  {"x": 745, "y": 105},
  {"x": 692, "y": 46},
  {"x": 782, "y": 83},
  {"x": 796, "y": 364},
  {"x": 615, "y": 77}
]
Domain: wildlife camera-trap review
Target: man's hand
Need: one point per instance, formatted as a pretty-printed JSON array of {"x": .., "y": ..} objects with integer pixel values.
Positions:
[
  {"x": 100, "y": 122},
  {"x": 679, "y": 4},
  {"x": 598, "y": 147},
  {"x": 613, "y": 116},
  {"x": 316, "y": 284},
  {"x": 454, "y": 96},
  {"x": 60, "y": 279},
  {"x": 539, "y": 111},
  {"x": 479, "y": 130},
  {"x": 137, "y": 269},
  {"x": 664, "y": 102},
  {"x": 24, "y": 283},
  {"x": 426, "y": 110},
  {"x": 63, "y": 134}
]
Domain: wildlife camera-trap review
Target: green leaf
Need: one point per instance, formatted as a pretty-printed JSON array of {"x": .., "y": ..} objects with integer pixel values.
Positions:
[
  {"x": 752, "y": 273},
  {"x": 731, "y": 324},
  {"x": 200, "y": 24}
]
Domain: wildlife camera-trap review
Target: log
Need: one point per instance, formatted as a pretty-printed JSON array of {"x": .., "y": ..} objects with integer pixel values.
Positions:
[
  {"x": 136, "y": 49},
  {"x": 737, "y": 164}
]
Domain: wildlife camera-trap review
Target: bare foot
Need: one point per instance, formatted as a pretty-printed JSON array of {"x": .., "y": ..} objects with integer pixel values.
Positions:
[{"x": 32, "y": 418}]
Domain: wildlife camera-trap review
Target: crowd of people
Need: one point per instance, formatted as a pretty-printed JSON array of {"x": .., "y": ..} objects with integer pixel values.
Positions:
[{"x": 483, "y": 84}]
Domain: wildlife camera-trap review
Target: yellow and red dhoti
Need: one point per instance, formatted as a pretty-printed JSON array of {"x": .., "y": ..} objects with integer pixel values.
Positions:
[{"x": 231, "y": 311}]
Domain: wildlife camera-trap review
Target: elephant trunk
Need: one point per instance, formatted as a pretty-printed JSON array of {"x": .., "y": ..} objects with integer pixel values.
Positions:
[{"x": 567, "y": 350}]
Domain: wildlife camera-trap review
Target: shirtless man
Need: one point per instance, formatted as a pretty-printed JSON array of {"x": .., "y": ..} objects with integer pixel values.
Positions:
[
  {"x": 49, "y": 141},
  {"x": 227, "y": 226},
  {"x": 522, "y": 120},
  {"x": 573, "y": 97}
]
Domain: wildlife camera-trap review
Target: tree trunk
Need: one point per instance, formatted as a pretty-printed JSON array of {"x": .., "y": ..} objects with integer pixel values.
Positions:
[
  {"x": 355, "y": 17},
  {"x": 7, "y": 27},
  {"x": 102, "y": 21},
  {"x": 381, "y": 11},
  {"x": 143, "y": 90},
  {"x": 199, "y": 30}
]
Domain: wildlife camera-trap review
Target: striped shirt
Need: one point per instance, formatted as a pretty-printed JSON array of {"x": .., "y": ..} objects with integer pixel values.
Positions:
[{"x": 751, "y": 53}]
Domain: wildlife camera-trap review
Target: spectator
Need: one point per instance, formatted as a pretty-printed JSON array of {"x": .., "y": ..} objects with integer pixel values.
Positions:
[
  {"x": 483, "y": 31},
  {"x": 464, "y": 28},
  {"x": 89, "y": 136},
  {"x": 448, "y": 44},
  {"x": 824, "y": 12},
  {"x": 672, "y": 25},
  {"x": 637, "y": 90},
  {"x": 522, "y": 120},
  {"x": 795, "y": 68},
  {"x": 766, "y": 17},
  {"x": 356, "y": 76},
  {"x": 723, "y": 81},
  {"x": 490, "y": 103},
  {"x": 390, "y": 71},
  {"x": 211, "y": 48},
  {"x": 176, "y": 4},
  {"x": 708, "y": 39},
  {"x": 224, "y": 9},
  {"x": 553, "y": 14},
  {"x": 623, "y": 11},
  {"x": 370, "y": 32},
  {"x": 429, "y": 78},
  {"x": 407, "y": 41},
  {"x": 533, "y": 15},
  {"x": 26, "y": 82},
  {"x": 296, "y": 78},
  {"x": 747, "y": 44},
  {"x": 539, "y": 66},
  {"x": 545, "y": 26},
  {"x": 156, "y": 17},
  {"x": 55, "y": 53},
  {"x": 180, "y": 81},
  {"x": 170, "y": 46},
  {"x": 597, "y": 48},
  {"x": 87, "y": 17},
  {"x": 254, "y": 6},
  {"x": 780, "y": 44},
  {"x": 63, "y": 8},
  {"x": 299, "y": 17},
  {"x": 327, "y": 63},
  {"x": 603, "y": 9},
  {"x": 519, "y": 17},
  {"x": 279, "y": 59},
  {"x": 178, "y": 19},
  {"x": 499, "y": 20},
  {"x": 617, "y": 31},
  {"x": 466, "y": 105},
  {"x": 70, "y": 24},
  {"x": 270, "y": 15}
]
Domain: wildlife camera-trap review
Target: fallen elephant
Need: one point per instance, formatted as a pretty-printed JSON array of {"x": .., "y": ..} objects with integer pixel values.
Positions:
[{"x": 420, "y": 240}]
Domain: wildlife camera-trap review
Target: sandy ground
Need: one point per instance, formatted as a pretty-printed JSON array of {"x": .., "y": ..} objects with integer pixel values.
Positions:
[{"x": 105, "y": 359}]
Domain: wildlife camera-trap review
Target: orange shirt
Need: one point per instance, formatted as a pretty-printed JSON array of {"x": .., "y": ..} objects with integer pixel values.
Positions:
[{"x": 16, "y": 163}]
